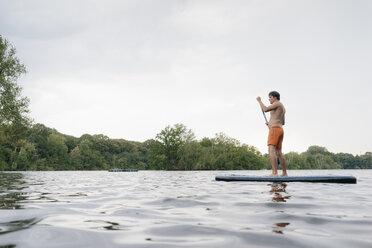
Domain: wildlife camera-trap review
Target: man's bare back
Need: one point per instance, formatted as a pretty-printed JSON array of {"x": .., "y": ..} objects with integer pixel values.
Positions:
[{"x": 277, "y": 114}]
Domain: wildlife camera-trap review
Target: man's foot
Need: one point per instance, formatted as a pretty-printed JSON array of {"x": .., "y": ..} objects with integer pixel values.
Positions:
[
  {"x": 284, "y": 175},
  {"x": 273, "y": 175}
]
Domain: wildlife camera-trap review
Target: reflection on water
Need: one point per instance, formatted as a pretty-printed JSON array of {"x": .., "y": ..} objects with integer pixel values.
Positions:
[
  {"x": 278, "y": 191},
  {"x": 11, "y": 198},
  {"x": 279, "y": 194},
  {"x": 11, "y": 186},
  {"x": 278, "y": 227},
  {"x": 16, "y": 225},
  {"x": 179, "y": 209},
  {"x": 107, "y": 225}
]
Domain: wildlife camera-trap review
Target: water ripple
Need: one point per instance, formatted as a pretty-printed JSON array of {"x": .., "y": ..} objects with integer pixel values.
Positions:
[{"x": 180, "y": 209}]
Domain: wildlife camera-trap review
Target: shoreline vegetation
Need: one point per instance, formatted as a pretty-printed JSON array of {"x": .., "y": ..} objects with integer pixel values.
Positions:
[
  {"x": 27, "y": 146},
  {"x": 174, "y": 148}
]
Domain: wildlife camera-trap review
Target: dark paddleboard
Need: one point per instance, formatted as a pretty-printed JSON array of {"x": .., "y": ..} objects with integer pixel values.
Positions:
[
  {"x": 310, "y": 179},
  {"x": 122, "y": 170}
]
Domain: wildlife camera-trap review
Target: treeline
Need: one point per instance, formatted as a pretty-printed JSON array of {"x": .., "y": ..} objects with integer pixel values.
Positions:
[
  {"x": 174, "y": 148},
  {"x": 44, "y": 148},
  {"x": 317, "y": 157}
]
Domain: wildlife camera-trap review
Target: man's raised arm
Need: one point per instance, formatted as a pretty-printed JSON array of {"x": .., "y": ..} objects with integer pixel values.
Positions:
[{"x": 264, "y": 108}]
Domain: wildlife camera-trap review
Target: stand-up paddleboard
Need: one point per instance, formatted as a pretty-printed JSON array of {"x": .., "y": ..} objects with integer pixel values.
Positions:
[
  {"x": 310, "y": 179},
  {"x": 122, "y": 170}
]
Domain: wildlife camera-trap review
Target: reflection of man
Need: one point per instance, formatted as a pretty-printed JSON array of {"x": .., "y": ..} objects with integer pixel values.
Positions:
[
  {"x": 277, "y": 189},
  {"x": 276, "y": 133}
]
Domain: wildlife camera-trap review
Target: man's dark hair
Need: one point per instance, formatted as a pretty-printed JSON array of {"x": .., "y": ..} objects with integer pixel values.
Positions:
[{"x": 275, "y": 94}]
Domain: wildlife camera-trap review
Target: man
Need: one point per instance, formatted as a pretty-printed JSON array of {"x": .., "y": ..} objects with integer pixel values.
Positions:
[{"x": 276, "y": 133}]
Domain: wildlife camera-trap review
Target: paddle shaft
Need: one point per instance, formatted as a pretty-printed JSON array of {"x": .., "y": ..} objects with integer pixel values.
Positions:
[{"x": 263, "y": 112}]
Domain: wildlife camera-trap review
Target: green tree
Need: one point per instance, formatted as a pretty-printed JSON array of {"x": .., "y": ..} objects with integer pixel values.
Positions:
[
  {"x": 190, "y": 155},
  {"x": 229, "y": 154},
  {"x": 223, "y": 149},
  {"x": 348, "y": 161},
  {"x": 83, "y": 157},
  {"x": 250, "y": 158},
  {"x": 294, "y": 161},
  {"x": 366, "y": 161},
  {"x": 317, "y": 157},
  {"x": 157, "y": 158},
  {"x": 38, "y": 135},
  {"x": 14, "y": 120},
  {"x": 57, "y": 151},
  {"x": 318, "y": 150},
  {"x": 26, "y": 158},
  {"x": 13, "y": 107},
  {"x": 207, "y": 158},
  {"x": 225, "y": 153},
  {"x": 165, "y": 151}
]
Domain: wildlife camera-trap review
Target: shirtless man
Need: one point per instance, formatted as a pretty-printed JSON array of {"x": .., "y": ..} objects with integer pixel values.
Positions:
[{"x": 276, "y": 133}]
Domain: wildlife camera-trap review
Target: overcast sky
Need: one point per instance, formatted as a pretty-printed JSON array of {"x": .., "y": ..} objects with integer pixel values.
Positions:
[{"x": 127, "y": 69}]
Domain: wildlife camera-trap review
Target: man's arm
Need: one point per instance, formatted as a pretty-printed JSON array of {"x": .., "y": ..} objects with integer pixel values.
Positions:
[{"x": 269, "y": 108}]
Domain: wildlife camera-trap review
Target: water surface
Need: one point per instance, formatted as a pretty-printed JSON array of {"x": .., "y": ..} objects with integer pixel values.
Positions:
[{"x": 182, "y": 209}]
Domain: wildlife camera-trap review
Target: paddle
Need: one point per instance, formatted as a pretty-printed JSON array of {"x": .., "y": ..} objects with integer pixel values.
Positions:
[{"x": 263, "y": 112}]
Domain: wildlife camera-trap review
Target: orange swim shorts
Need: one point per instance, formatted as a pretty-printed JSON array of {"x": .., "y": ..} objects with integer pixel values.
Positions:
[{"x": 276, "y": 135}]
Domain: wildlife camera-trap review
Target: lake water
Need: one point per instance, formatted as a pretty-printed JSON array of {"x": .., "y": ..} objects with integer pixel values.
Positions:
[{"x": 182, "y": 209}]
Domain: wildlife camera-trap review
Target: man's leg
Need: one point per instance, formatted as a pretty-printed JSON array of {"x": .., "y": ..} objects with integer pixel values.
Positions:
[
  {"x": 272, "y": 156},
  {"x": 282, "y": 162}
]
